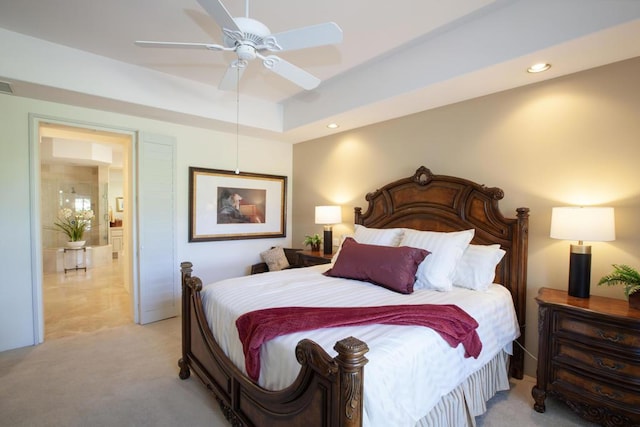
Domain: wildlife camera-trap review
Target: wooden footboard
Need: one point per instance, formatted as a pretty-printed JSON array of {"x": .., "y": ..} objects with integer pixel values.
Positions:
[{"x": 327, "y": 392}]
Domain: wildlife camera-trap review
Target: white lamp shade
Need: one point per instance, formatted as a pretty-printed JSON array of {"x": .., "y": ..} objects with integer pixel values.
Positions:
[
  {"x": 328, "y": 215},
  {"x": 592, "y": 224}
]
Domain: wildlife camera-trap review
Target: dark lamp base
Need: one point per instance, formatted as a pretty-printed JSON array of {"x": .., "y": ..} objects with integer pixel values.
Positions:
[
  {"x": 579, "y": 274},
  {"x": 328, "y": 241}
]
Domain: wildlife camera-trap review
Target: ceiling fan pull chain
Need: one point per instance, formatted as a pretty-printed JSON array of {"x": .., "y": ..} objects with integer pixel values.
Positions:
[{"x": 237, "y": 119}]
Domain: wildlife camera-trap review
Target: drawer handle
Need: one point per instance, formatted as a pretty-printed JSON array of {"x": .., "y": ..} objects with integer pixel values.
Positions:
[
  {"x": 613, "y": 366},
  {"x": 614, "y": 338},
  {"x": 609, "y": 395}
]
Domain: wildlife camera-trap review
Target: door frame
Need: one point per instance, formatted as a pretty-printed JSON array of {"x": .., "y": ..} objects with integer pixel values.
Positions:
[{"x": 35, "y": 120}]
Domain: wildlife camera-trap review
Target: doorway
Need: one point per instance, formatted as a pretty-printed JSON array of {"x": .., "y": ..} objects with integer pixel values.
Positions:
[{"x": 85, "y": 169}]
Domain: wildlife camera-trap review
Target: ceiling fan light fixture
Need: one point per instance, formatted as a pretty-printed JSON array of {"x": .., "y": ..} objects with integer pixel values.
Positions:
[
  {"x": 246, "y": 52},
  {"x": 539, "y": 67}
]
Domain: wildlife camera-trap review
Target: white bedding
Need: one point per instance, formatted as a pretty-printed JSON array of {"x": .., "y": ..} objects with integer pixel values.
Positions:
[{"x": 397, "y": 396}]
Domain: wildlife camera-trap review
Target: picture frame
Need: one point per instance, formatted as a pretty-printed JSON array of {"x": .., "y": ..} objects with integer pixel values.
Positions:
[
  {"x": 224, "y": 205},
  {"x": 119, "y": 204}
]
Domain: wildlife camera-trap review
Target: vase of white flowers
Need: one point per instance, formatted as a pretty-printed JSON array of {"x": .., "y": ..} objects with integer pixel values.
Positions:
[{"x": 74, "y": 224}]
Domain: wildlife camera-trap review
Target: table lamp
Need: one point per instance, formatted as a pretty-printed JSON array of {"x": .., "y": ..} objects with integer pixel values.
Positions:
[
  {"x": 594, "y": 224},
  {"x": 328, "y": 215}
]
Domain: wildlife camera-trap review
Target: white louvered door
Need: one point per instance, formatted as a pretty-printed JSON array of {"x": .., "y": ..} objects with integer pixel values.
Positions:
[{"x": 156, "y": 192}]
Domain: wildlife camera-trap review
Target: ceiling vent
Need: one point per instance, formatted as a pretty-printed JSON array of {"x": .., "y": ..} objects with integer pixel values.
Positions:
[{"x": 5, "y": 88}]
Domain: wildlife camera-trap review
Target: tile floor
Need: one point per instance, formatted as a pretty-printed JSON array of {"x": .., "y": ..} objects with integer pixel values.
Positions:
[{"x": 77, "y": 301}]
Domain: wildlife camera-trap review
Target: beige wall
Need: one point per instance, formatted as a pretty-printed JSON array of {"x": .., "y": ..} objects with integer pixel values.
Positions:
[{"x": 573, "y": 140}]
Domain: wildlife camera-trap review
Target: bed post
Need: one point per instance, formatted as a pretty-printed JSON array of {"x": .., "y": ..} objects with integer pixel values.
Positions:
[
  {"x": 351, "y": 361},
  {"x": 186, "y": 270},
  {"x": 521, "y": 248}
]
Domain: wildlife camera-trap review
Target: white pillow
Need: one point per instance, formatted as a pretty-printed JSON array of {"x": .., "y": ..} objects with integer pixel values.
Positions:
[
  {"x": 275, "y": 258},
  {"x": 437, "y": 269},
  {"x": 378, "y": 236},
  {"x": 477, "y": 267}
]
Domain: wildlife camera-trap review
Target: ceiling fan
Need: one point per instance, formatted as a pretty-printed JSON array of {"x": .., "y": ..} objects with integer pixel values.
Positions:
[{"x": 250, "y": 39}]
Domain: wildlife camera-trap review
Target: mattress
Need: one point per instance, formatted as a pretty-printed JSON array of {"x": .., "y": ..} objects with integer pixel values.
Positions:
[{"x": 410, "y": 367}]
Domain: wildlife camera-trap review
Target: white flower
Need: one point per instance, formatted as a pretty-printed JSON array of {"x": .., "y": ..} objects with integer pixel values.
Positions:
[
  {"x": 73, "y": 224},
  {"x": 65, "y": 213}
]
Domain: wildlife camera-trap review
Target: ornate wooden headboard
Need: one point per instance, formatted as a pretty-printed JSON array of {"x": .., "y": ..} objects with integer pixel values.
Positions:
[{"x": 425, "y": 201}]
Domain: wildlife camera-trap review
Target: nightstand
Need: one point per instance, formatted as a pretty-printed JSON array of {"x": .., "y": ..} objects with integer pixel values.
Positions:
[
  {"x": 309, "y": 258},
  {"x": 589, "y": 357}
]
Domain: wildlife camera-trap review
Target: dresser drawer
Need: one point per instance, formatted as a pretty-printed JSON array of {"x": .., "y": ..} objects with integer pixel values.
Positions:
[
  {"x": 606, "y": 364},
  {"x": 596, "y": 389},
  {"x": 589, "y": 357},
  {"x": 600, "y": 333}
]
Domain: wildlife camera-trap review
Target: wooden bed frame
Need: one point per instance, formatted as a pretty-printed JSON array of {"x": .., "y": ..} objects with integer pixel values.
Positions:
[{"x": 328, "y": 391}]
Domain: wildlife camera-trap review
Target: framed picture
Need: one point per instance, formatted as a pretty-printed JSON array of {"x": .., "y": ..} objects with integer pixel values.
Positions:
[
  {"x": 224, "y": 205},
  {"x": 119, "y": 204}
]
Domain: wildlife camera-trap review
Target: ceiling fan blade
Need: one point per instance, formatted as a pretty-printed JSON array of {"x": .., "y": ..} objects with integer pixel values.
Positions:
[
  {"x": 232, "y": 75},
  {"x": 144, "y": 43},
  {"x": 290, "y": 72},
  {"x": 219, "y": 13},
  {"x": 300, "y": 38}
]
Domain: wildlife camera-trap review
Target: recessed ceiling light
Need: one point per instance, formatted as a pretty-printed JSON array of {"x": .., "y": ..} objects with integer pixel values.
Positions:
[
  {"x": 539, "y": 67},
  {"x": 333, "y": 126}
]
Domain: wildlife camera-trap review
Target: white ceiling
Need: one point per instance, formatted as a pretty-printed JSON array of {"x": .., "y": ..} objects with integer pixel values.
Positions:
[{"x": 398, "y": 57}]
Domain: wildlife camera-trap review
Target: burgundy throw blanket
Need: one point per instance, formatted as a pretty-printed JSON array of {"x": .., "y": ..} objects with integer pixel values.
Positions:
[{"x": 257, "y": 327}]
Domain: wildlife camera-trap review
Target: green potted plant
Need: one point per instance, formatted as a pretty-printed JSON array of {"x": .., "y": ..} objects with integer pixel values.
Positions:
[
  {"x": 73, "y": 224},
  {"x": 314, "y": 241},
  {"x": 629, "y": 278}
]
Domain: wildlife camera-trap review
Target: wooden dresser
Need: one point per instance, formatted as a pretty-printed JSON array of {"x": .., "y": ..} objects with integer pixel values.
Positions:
[{"x": 589, "y": 357}]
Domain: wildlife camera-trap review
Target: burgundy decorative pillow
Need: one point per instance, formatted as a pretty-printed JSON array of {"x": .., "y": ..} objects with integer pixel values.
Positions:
[{"x": 392, "y": 267}]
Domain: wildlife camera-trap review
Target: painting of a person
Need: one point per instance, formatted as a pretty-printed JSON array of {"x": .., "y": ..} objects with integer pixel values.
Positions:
[{"x": 229, "y": 208}]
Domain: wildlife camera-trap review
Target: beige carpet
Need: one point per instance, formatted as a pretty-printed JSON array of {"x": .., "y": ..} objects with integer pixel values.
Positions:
[{"x": 128, "y": 376}]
